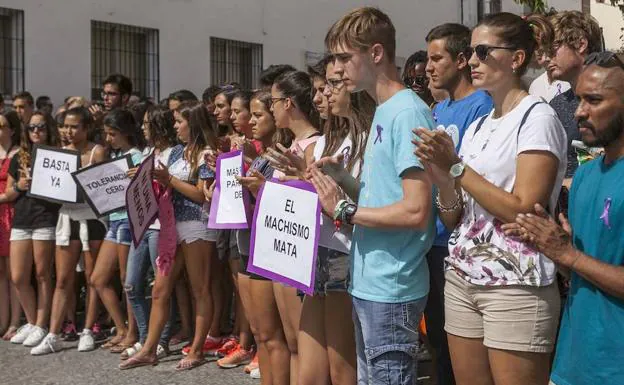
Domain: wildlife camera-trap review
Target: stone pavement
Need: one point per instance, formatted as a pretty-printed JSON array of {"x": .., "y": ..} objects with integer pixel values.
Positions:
[{"x": 69, "y": 367}]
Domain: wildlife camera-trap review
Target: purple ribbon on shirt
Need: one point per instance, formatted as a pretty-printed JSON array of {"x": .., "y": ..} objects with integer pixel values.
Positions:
[
  {"x": 379, "y": 131},
  {"x": 605, "y": 213}
]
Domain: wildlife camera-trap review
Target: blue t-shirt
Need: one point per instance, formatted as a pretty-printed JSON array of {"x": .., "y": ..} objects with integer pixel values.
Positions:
[
  {"x": 459, "y": 113},
  {"x": 389, "y": 266},
  {"x": 137, "y": 156},
  {"x": 591, "y": 340}
]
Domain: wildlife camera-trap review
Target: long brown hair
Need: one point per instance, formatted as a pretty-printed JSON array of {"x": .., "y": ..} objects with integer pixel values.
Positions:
[
  {"x": 281, "y": 136},
  {"x": 202, "y": 133},
  {"x": 26, "y": 145}
]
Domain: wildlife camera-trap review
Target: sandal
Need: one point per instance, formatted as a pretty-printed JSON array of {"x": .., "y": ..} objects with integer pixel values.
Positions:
[
  {"x": 10, "y": 333},
  {"x": 189, "y": 363},
  {"x": 178, "y": 339},
  {"x": 137, "y": 362},
  {"x": 113, "y": 342},
  {"x": 131, "y": 351},
  {"x": 119, "y": 348}
]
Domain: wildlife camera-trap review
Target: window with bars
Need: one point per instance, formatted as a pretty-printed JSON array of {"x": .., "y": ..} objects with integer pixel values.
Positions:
[
  {"x": 487, "y": 7},
  {"x": 128, "y": 50},
  {"x": 11, "y": 51},
  {"x": 235, "y": 61}
]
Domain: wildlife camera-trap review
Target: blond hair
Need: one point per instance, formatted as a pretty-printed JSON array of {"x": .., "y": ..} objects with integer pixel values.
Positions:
[
  {"x": 572, "y": 26},
  {"x": 362, "y": 28}
]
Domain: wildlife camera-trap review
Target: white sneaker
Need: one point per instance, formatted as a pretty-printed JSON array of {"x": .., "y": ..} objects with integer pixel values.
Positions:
[
  {"x": 87, "y": 342},
  {"x": 161, "y": 352},
  {"x": 22, "y": 334},
  {"x": 50, "y": 344},
  {"x": 255, "y": 374},
  {"x": 37, "y": 334}
]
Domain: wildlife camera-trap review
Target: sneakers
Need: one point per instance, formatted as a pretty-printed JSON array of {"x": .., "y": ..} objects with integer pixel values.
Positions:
[
  {"x": 37, "y": 334},
  {"x": 87, "y": 341},
  {"x": 211, "y": 345},
  {"x": 237, "y": 357},
  {"x": 50, "y": 344},
  {"x": 22, "y": 334},
  {"x": 98, "y": 333},
  {"x": 252, "y": 365},
  {"x": 161, "y": 352},
  {"x": 229, "y": 345},
  {"x": 255, "y": 374},
  {"x": 69, "y": 333}
]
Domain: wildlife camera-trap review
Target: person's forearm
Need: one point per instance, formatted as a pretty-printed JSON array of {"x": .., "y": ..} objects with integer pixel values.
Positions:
[
  {"x": 396, "y": 216},
  {"x": 351, "y": 187},
  {"x": 607, "y": 277},
  {"x": 449, "y": 196},
  {"x": 188, "y": 190}
]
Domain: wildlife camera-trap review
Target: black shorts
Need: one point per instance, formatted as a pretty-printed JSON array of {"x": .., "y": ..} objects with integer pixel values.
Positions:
[
  {"x": 95, "y": 228},
  {"x": 243, "y": 269}
]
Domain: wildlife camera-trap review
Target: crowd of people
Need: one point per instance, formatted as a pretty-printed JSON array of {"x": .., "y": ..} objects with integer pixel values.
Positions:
[{"x": 456, "y": 211}]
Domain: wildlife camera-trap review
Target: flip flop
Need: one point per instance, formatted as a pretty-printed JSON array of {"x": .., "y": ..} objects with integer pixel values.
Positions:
[
  {"x": 120, "y": 348},
  {"x": 178, "y": 339},
  {"x": 113, "y": 342},
  {"x": 189, "y": 363},
  {"x": 131, "y": 351},
  {"x": 10, "y": 333},
  {"x": 135, "y": 362}
]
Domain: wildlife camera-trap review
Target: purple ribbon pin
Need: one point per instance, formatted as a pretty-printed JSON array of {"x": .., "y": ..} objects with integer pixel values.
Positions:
[
  {"x": 379, "y": 131},
  {"x": 605, "y": 213}
]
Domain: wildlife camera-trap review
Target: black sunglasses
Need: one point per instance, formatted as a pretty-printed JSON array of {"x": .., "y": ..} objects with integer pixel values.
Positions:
[
  {"x": 483, "y": 50},
  {"x": 420, "y": 80},
  {"x": 34, "y": 127},
  {"x": 604, "y": 59}
]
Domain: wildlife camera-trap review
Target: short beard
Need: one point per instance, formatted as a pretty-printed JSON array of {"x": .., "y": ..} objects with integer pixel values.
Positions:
[{"x": 611, "y": 133}]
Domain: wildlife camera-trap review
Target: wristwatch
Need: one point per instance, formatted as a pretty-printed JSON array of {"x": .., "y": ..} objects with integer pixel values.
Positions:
[
  {"x": 457, "y": 169},
  {"x": 349, "y": 212}
]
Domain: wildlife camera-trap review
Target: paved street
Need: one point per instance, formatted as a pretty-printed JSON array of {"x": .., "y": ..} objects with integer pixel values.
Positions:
[{"x": 69, "y": 367}]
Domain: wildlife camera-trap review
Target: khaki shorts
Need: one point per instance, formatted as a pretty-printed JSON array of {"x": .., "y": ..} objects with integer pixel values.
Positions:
[{"x": 518, "y": 318}]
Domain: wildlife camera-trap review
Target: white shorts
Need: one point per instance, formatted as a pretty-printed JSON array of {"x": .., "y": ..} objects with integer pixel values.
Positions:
[
  {"x": 191, "y": 231},
  {"x": 42, "y": 234}
]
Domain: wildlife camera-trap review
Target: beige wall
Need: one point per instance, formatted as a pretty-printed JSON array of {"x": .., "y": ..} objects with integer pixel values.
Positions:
[{"x": 611, "y": 20}]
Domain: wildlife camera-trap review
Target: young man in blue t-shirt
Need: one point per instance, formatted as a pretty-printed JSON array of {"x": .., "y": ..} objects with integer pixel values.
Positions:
[
  {"x": 448, "y": 52},
  {"x": 591, "y": 337},
  {"x": 393, "y": 218}
]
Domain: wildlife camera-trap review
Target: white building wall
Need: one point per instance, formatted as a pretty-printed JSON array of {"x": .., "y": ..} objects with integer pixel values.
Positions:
[
  {"x": 611, "y": 21},
  {"x": 57, "y": 34}
]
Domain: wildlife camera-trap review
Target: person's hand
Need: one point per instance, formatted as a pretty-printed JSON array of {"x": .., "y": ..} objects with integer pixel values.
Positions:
[
  {"x": 435, "y": 147},
  {"x": 286, "y": 161},
  {"x": 161, "y": 174},
  {"x": 438, "y": 176},
  {"x": 23, "y": 183},
  {"x": 253, "y": 181},
  {"x": 97, "y": 113},
  {"x": 211, "y": 160},
  {"x": 328, "y": 191},
  {"x": 541, "y": 231},
  {"x": 330, "y": 165},
  {"x": 224, "y": 144},
  {"x": 132, "y": 172},
  {"x": 249, "y": 150},
  {"x": 209, "y": 190}
]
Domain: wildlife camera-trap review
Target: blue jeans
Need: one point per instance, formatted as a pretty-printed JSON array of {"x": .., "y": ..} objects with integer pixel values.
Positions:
[
  {"x": 139, "y": 261},
  {"x": 386, "y": 339}
]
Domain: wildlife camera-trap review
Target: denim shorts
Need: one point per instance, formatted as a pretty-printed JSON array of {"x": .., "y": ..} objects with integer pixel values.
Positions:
[
  {"x": 119, "y": 232},
  {"x": 332, "y": 271}
]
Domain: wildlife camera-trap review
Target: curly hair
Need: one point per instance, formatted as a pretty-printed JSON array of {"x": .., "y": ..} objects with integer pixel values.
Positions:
[
  {"x": 573, "y": 26},
  {"x": 161, "y": 126}
]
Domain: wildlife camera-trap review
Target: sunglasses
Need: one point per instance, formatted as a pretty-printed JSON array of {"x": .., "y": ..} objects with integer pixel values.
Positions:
[
  {"x": 483, "y": 50},
  {"x": 37, "y": 127},
  {"x": 419, "y": 81},
  {"x": 604, "y": 59}
]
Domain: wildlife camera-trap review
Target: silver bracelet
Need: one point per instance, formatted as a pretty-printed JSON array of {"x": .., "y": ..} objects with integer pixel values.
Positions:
[{"x": 457, "y": 204}]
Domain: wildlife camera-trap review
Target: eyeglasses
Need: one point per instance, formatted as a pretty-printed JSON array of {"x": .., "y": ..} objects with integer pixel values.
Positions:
[
  {"x": 109, "y": 94},
  {"x": 335, "y": 84},
  {"x": 420, "y": 81},
  {"x": 604, "y": 59},
  {"x": 37, "y": 127},
  {"x": 483, "y": 50},
  {"x": 275, "y": 100}
]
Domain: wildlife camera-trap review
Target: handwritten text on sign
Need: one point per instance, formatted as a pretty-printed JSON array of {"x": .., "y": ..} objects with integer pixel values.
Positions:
[
  {"x": 284, "y": 235},
  {"x": 104, "y": 185},
  {"x": 141, "y": 200},
  {"x": 230, "y": 202},
  {"x": 51, "y": 174}
]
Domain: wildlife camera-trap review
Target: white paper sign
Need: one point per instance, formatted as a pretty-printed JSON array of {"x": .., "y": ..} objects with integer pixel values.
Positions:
[
  {"x": 229, "y": 206},
  {"x": 51, "y": 174},
  {"x": 104, "y": 185},
  {"x": 285, "y": 232}
]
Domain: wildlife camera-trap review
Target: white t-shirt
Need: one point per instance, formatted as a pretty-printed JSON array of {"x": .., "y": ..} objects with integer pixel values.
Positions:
[
  {"x": 479, "y": 250},
  {"x": 163, "y": 157},
  {"x": 329, "y": 237},
  {"x": 540, "y": 87}
]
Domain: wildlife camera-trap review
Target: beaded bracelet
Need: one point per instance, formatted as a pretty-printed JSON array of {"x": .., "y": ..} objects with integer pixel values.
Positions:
[{"x": 447, "y": 209}]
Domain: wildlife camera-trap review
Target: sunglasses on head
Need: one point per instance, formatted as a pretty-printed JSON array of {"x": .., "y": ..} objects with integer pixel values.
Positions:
[
  {"x": 604, "y": 59},
  {"x": 37, "y": 127},
  {"x": 483, "y": 50}
]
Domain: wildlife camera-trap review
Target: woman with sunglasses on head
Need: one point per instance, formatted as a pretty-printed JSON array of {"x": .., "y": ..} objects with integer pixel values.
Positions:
[
  {"x": 32, "y": 233},
  {"x": 10, "y": 308},
  {"x": 273, "y": 356},
  {"x": 501, "y": 301},
  {"x": 78, "y": 230},
  {"x": 326, "y": 341},
  {"x": 186, "y": 173}
]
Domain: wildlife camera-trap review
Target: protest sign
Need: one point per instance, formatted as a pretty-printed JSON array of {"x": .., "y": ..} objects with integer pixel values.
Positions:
[
  {"x": 229, "y": 208},
  {"x": 51, "y": 174},
  {"x": 284, "y": 234},
  {"x": 141, "y": 200},
  {"x": 104, "y": 185}
]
